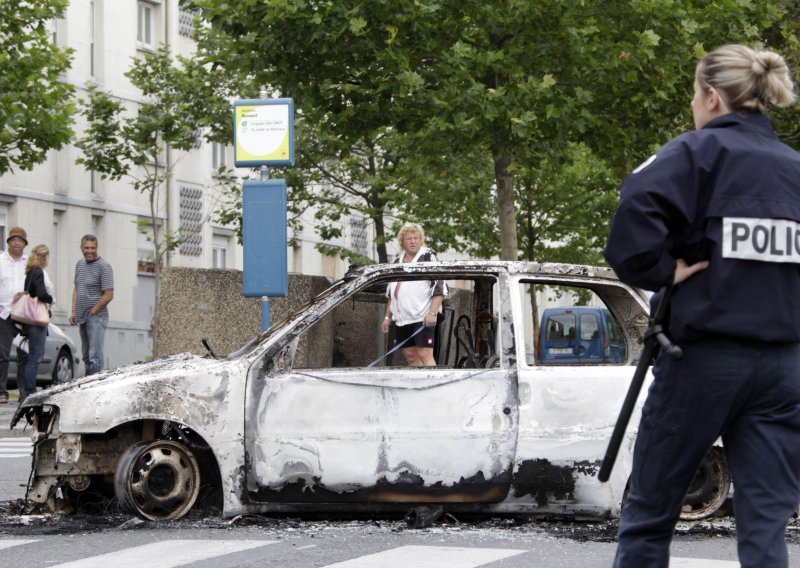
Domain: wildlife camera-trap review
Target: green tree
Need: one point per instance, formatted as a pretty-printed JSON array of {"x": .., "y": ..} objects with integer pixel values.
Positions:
[
  {"x": 506, "y": 90},
  {"x": 784, "y": 37},
  {"x": 350, "y": 140},
  {"x": 526, "y": 81},
  {"x": 36, "y": 106},
  {"x": 181, "y": 100}
]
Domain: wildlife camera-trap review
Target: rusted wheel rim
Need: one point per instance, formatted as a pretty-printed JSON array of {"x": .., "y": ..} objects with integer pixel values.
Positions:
[{"x": 158, "y": 481}]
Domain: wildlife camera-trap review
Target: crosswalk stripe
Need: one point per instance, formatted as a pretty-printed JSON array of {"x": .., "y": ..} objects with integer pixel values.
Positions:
[
  {"x": 428, "y": 557},
  {"x": 14, "y": 542},
  {"x": 701, "y": 563},
  {"x": 173, "y": 553},
  {"x": 166, "y": 554},
  {"x": 15, "y": 448}
]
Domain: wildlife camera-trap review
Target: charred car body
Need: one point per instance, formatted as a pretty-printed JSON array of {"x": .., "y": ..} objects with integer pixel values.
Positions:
[{"x": 311, "y": 416}]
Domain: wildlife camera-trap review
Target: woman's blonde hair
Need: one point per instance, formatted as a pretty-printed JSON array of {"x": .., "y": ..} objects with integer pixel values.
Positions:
[
  {"x": 747, "y": 79},
  {"x": 410, "y": 228},
  {"x": 37, "y": 257}
]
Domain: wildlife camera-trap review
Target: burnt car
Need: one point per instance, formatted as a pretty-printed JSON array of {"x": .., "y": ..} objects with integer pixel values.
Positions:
[{"x": 312, "y": 415}]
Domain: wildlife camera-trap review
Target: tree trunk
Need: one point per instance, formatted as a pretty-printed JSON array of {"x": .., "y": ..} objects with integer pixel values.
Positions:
[
  {"x": 378, "y": 207},
  {"x": 506, "y": 212},
  {"x": 380, "y": 231}
]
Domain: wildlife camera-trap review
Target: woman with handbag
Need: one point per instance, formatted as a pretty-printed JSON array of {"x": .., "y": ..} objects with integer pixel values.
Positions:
[{"x": 36, "y": 287}]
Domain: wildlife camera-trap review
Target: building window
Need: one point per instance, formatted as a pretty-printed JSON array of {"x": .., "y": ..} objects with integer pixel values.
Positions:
[
  {"x": 359, "y": 236},
  {"x": 145, "y": 253},
  {"x": 146, "y": 20},
  {"x": 219, "y": 155},
  {"x": 52, "y": 25},
  {"x": 186, "y": 22},
  {"x": 3, "y": 225},
  {"x": 55, "y": 267},
  {"x": 191, "y": 216},
  {"x": 97, "y": 226},
  {"x": 92, "y": 43},
  {"x": 198, "y": 139},
  {"x": 220, "y": 251}
]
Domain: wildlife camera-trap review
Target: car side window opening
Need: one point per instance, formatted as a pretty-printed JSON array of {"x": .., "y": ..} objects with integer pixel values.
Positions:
[
  {"x": 349, "y": 335},
  {"x": 569, "y": 325}
]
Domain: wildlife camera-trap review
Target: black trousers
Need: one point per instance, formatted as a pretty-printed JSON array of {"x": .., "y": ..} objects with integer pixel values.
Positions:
[
  {"x": 8, "y": 330},
  {"x": 748, "y": 392}
]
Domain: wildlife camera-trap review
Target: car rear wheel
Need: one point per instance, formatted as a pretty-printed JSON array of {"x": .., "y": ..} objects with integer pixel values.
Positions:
[
  {"x": 63, "y": 367},
  {"x": 709, "y": 488},
  {"x": 157, "y": 480}
]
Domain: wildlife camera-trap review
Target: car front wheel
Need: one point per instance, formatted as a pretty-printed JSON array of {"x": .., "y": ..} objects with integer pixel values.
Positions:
[
  {"x": 157, "y": 480},
  {"x": 63, "y": 367}
]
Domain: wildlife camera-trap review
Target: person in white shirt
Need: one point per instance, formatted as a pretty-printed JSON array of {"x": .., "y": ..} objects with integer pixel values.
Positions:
[
  {"x": 414, "y": 304},
  {"x": 12, "y": 280}
]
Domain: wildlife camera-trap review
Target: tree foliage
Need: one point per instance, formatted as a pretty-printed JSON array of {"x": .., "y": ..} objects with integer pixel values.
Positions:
[
  {"x": 784, "y": 37},
  {"x": 36, "y": 106},
  {"x": 444, "y": 110}
]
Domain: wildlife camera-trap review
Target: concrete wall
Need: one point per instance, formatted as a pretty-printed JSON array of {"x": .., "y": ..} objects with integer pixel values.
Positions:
[
  {"x": 199, "y": 303},
  {"x": 208, "y": 303}
]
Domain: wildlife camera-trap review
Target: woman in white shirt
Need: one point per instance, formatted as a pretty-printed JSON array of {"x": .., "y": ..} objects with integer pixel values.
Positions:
[{"x": 413, "y": 304}]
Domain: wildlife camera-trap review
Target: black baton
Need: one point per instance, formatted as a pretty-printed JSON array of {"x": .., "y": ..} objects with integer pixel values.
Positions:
[{"x": 654, "y": 338}]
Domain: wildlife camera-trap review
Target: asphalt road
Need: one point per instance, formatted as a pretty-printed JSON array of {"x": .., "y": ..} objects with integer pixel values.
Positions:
[
  {"x": 14, "y": 455},
  {"x": 341, "y": 543}
]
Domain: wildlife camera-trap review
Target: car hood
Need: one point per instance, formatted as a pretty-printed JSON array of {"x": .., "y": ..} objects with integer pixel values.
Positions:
[{"x": 180, "y": 387}]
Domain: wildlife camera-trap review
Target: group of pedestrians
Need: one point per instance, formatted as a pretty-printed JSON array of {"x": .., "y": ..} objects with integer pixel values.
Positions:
[{"x": 25, "y": 274}]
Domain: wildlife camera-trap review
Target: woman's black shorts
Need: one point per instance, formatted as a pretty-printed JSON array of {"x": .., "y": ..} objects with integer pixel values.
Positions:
[{"x": 422, "y": 339}]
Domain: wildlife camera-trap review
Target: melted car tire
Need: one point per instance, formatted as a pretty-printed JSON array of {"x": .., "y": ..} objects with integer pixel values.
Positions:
[
  {"x": 157, "y": 480},
  {"x": 709, "y": 489}
]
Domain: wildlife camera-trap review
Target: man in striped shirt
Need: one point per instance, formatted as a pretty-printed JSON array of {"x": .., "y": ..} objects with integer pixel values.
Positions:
[{"x": 94, "y": 289}]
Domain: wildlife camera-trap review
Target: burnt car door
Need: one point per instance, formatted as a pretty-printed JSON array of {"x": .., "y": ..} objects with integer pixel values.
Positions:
[
  {"x": 327, "y": 421},
  {"x": 567, "y": 410}
]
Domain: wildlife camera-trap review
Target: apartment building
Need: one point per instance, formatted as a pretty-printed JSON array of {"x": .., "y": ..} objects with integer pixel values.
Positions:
[{"x": 59, "y": 201}]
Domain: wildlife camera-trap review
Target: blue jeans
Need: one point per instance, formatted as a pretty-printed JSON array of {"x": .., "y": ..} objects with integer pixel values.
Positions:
[
  {"x": 748, "y": 392},
  {"x": 26, "y": 376},
  {"x": 93, "y": 336}
]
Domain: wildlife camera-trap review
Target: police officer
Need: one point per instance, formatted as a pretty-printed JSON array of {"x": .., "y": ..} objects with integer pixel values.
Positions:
[{"x": 716, "y": 211}]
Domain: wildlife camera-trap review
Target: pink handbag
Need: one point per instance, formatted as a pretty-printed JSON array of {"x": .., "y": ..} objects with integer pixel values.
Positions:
[{"x": 30, "y": 311}]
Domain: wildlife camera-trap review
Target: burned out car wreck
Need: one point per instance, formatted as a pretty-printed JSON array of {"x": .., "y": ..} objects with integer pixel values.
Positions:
[{"x": 314, "y": 415}]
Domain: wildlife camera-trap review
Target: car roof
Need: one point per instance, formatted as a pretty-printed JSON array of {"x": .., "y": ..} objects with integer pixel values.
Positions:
[
  {"x": 484, "y": 266},
  {"x": 578, "y": 309}
]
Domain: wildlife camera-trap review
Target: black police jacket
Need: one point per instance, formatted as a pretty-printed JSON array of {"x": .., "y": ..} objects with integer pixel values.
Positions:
[{"x": 728, "y": 193}]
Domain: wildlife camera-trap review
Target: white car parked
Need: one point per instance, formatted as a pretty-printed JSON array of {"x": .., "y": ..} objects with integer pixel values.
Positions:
[
  {"x": 311, "y": 415},
  {"x": 58, "y": 363}
]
